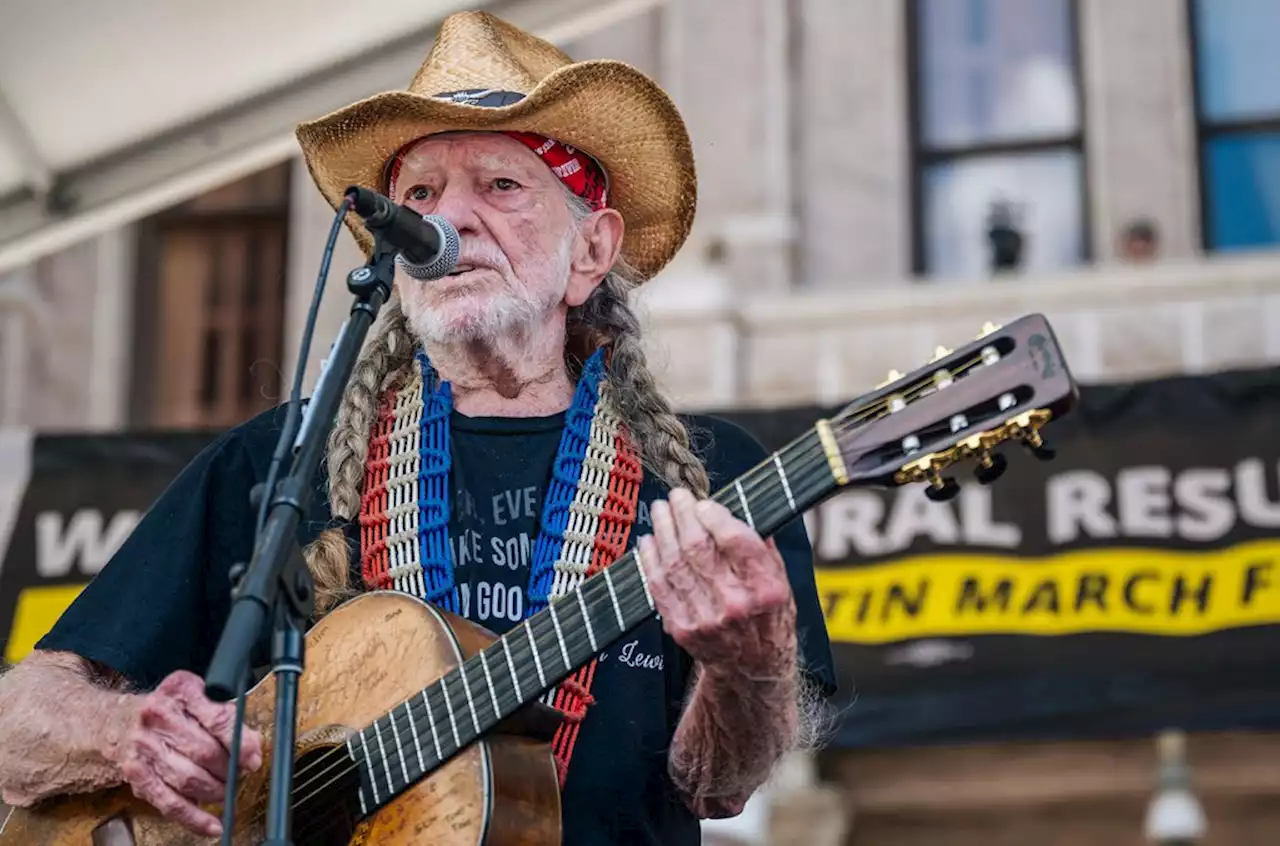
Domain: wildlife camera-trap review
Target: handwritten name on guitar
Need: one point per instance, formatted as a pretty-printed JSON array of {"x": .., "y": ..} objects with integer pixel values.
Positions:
[{"x": 631, "y": 656}]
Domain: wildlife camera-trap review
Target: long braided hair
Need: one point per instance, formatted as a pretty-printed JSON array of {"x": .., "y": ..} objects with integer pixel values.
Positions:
[{"x": 605, "y": 319}]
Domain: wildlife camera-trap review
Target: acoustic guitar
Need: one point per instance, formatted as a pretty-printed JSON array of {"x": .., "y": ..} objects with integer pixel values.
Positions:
[{"x": 402, "y": 707}]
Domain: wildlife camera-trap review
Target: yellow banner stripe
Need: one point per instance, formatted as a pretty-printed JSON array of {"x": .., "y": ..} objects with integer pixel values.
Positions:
[
  {"x": 1142, "y": 591},
  {"x": 37, "y": 609}
]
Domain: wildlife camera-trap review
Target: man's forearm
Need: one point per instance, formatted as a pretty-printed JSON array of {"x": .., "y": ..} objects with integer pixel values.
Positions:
[
  {"x": 56, "y": 721},
  {"x": 731, "y": 735}
]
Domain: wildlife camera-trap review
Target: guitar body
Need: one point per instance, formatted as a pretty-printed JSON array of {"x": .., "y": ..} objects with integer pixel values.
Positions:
[{"x": 363, "y": 659}]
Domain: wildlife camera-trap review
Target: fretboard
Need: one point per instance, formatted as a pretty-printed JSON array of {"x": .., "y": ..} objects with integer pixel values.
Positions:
[{"x": 430, "y": 728}]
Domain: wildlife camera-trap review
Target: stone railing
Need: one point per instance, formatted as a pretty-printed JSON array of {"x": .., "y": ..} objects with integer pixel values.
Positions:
[{"x": 1114, "y": 323}]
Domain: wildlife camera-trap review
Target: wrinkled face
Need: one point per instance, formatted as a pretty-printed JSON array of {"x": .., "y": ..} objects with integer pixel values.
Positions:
[{"x": 516, "y": 231}]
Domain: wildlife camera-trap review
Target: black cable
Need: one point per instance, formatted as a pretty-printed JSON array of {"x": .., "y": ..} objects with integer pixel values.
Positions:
[
  {"x": 233, "y": 770},
  {"x": 292, "y": 421},
  {"x": 293, "y": 415}
]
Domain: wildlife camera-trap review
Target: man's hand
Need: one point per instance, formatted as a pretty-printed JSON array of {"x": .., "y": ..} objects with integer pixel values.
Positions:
[
  {"x": 724, "y": 597},
  {"x": 172, "y": 746},
  {"x": 722, "y": 591}
]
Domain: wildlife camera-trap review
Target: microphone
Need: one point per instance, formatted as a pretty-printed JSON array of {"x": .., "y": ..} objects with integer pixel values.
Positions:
[{"x": 428, "y": 244}]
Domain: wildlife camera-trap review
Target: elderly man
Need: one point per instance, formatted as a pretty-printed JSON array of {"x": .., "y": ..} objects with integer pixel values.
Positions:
[{"x": 569, "y": 184}]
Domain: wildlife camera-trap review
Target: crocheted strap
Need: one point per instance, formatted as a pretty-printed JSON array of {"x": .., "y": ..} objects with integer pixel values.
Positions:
[
  {"x": 374, "y": 522},
  {"x": 586, "y": 520},
  {"x": 617, "y": 515}
]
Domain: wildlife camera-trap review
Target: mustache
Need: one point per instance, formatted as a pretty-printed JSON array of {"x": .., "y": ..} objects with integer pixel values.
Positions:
[{"x": 484, "y": 254}]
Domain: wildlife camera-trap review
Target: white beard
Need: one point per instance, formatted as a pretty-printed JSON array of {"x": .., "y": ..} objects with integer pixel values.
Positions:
[{"x": 498, "y": 311}]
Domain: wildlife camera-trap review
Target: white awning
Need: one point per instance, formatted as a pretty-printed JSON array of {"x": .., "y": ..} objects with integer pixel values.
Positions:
[{"x": 110, "y": 111}]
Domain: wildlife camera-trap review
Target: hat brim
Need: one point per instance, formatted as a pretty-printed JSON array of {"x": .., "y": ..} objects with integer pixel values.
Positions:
[{"x": 606, "y": 108}]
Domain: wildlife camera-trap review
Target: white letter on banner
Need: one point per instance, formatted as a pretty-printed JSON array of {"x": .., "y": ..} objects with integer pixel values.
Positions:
[
  {"x": 850, "y": 520},
  {"x": 1207, "y": 512},
  {"x": 1142, "y": 499},
  {"x": 83, "y": 540},
  {"x": 1078, "y": 500},
  {"x": 1251, "y": 491},
  {"x": 979, "y": 528}
]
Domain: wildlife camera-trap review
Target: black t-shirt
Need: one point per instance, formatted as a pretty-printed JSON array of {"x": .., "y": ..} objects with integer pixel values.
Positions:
[{"x": 159, "y": 605}]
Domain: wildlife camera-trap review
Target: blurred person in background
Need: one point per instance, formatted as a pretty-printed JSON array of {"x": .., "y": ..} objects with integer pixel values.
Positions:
[
  {"x": 570, "y": 184},
  {"x": 1139, "y": 241}
]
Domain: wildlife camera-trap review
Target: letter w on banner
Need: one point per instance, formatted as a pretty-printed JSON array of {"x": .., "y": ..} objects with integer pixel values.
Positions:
[{"x": 67, "y": 503}]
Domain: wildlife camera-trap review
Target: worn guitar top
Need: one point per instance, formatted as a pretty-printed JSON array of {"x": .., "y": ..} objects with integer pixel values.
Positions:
[{"x": 161, "y": 602}]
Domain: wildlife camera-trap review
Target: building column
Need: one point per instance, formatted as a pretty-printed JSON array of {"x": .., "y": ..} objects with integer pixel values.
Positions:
[
  {"x": 310, "y": 219},
  {"x": 1140, "y": 122},
  {"x": 110, "y": 365},
  {"x": 853, "y": 171},
  {"x": 726, "y": 67}
]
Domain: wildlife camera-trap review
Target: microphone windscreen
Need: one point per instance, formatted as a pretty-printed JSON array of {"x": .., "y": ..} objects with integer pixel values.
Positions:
[{"x": 446, "y": 258}]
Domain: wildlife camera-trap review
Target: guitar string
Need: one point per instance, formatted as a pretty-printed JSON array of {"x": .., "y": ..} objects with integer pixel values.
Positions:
[
  {"x": 846, "y": 419},
  {"x": 577, "y": 640},
  {"x": 522, "y": 652},
  {"x": 776, "y": 505},
  {"x": 851, "y": 416}
]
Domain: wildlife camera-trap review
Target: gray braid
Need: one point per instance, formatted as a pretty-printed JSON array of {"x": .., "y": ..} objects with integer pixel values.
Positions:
[
  {"x": 388, "y": 351},
  {"x": 606, "y": 318}
]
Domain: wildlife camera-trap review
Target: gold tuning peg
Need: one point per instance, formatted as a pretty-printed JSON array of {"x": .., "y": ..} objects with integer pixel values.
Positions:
[
  {"x": 892, "y": 377},
  {"x": 988, "y": 328},
  {"x": 940, "y": 353}
]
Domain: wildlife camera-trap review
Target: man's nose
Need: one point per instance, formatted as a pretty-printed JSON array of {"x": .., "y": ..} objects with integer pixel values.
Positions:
[{"x": 457, "y": 204}]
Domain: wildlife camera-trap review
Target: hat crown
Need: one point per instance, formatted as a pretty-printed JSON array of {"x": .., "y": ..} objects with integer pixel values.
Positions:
[{"x": 475, "y": 50}]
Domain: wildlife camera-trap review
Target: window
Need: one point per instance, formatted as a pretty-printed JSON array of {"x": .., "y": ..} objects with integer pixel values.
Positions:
[
  {"x": 996, "y": 120},
  {"x": 211, "y": 306},
  {"x": 1238, "y": 110}
]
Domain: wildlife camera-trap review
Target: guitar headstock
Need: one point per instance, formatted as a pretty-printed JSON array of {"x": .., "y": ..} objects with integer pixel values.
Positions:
[{"x": 1001, "y": 387}]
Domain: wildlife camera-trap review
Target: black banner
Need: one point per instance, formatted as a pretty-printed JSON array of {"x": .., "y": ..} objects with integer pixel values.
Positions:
[
  {"x": 77, "y": 503},
  {"x": 1130, "y": 584}
]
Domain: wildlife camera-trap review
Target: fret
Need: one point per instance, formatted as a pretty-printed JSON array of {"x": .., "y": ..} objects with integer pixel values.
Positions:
[
  {"x": 351, "y": 753},
  {"x": 453, "y": 722},
  {"x": 466, "y": 688},
  {"x": 431, "y": 721},
  {"x": 786, "y": 485},
  {"x": 555, "y": 621},
  {"x": 511, "y": 667},
  {"x": 413, "y": 731},
  {"x": 488, "y": 680},
  {"x": 586, "y": 621},
  {"x": 368, "y": 760},
  {"x": 537, "y": 660},
  {"x": 395, "y": 732},
  {"x": 746, "y": 509},
  {"x": 613, "y": 595},
  {"x": 766, "y": 497},
  {"x": 644, "y": 580},
  {"x": 382, "y": 753}
]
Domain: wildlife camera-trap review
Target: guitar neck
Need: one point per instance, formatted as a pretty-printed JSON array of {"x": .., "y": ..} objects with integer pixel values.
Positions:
[{"x": 423, "y": 732}]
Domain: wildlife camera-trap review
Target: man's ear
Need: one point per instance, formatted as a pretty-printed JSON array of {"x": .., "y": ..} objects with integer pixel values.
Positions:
[{"x": 595, "y": 250}]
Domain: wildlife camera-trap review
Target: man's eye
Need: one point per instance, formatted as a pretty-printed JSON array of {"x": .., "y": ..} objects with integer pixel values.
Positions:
[
  {"x": 504, "y": 184},
  {"x": 418, "y": 192}
]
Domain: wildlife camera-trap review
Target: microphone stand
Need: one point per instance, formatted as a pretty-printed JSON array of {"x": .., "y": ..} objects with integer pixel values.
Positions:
[{"x": 277, "y": 584}]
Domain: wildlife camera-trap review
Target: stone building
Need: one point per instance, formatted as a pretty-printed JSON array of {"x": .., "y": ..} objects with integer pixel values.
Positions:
[{"x": 851, "y": 156}]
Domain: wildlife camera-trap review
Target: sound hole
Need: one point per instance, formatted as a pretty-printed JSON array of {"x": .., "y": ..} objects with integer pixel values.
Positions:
[{"x": 326, "y": 805}]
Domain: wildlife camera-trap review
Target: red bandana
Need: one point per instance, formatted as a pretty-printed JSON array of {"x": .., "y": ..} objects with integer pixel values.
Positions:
[{"x": 580, "y": 173}]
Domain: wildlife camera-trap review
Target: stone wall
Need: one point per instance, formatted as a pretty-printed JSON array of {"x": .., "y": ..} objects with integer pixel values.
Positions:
[{"x": 1113, "y": 323}]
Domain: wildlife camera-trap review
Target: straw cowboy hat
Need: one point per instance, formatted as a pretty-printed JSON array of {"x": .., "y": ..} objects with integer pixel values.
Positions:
[{"x": 485, "y": 74}]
